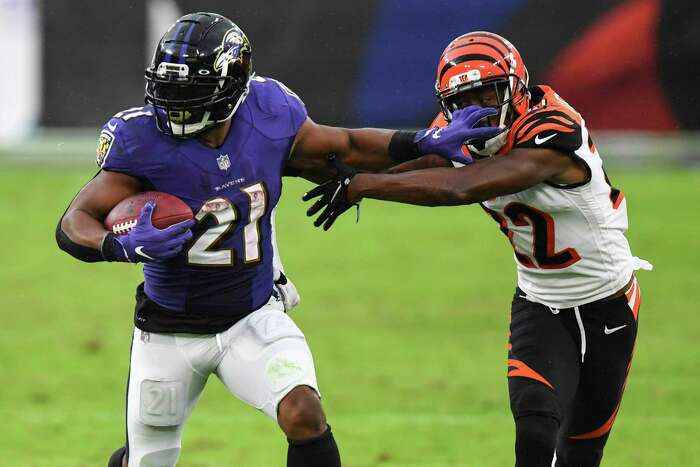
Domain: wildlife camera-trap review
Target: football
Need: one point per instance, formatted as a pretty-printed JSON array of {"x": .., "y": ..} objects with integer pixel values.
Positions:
[{"x": 169, "y": 210}]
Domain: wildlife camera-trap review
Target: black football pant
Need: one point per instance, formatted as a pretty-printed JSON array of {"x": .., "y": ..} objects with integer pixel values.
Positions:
[{"x": 566, "y": 374}]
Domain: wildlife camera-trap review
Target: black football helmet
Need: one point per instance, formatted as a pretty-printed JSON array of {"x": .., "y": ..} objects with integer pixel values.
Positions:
[{"x": 199, "y": 74}]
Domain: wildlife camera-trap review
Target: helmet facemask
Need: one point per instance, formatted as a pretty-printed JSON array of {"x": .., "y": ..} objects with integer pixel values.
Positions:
[
  {"x": 188, "y": 104},
  {"x": 491, "y": 92}
]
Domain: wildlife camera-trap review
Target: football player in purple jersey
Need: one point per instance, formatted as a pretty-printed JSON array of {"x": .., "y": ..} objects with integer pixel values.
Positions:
[{"x": 214, "y": 297}]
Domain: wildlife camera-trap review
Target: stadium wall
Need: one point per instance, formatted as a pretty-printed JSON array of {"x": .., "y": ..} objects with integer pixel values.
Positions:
[{"x": 625, "y": 64}]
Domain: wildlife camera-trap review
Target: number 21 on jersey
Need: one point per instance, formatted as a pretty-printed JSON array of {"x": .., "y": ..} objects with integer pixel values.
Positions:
[{"x": 202, "y": 252}]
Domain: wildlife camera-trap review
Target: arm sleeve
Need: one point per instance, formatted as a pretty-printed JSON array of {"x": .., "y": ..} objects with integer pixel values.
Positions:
[{"x": 80, "y": 252}]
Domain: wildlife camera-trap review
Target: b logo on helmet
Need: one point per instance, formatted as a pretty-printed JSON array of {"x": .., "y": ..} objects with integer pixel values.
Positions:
[{"x": 232, "y": 45}]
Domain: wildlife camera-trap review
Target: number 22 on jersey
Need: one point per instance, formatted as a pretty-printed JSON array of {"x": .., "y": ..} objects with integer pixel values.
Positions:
[
  {"x": 201, "y": 253},
  {"x": 544, "y": 255}
]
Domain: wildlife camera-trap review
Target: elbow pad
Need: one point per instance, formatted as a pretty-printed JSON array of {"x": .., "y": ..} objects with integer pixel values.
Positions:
[{"x": 83, "y": 253}]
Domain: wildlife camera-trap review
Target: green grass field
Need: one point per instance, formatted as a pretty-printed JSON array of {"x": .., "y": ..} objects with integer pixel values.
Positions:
[{"x": 406, "y": 313}]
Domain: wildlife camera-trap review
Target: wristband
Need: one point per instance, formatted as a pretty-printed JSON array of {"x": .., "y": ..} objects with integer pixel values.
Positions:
[
  {"x": 112, "y": 250},
  {"x": 402, "y": 146}
]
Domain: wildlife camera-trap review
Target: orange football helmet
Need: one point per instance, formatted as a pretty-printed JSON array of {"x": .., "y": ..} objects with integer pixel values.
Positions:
[{"x": 476, "y": 60}]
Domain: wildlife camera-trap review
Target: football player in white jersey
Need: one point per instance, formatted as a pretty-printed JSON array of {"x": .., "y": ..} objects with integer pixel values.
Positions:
[{"x": 574, "y": 313}]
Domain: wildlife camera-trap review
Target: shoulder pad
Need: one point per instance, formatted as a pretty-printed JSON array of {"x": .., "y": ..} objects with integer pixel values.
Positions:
[
  {"x": 552, "y": 127},
  {"x": 439, "y": 121},
  {"x": 121, "y": 135},
  {"x": 276, "y": 111}
]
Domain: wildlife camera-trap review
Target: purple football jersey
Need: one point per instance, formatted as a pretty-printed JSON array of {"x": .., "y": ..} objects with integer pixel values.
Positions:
[{"x": 226, "y": 271}]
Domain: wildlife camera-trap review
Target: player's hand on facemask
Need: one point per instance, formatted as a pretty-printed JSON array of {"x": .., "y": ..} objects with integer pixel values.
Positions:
[
  {"x": 287, "y": 290},
  {"x": 146, "y": 243},
  {"x": 448, "y": 141}
]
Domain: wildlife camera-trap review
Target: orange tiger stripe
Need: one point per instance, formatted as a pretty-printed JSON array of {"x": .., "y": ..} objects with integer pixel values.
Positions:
[
  {"x": 607, "y": 425},
  {"x": 634, "y": 298},
  {"x": 522, "y": 370},
  {"x": 629, "y": 293},
  {"x": 637, "y": 302},
  {"x": 554, "y": 103},
  {"x": 562, "y": 119},
  {"x": 618, "y": 201},
  {"x": 527, "y": 127},
  {"x": 547, "y": 126},
  {"x": 494, "y": 57},
  {"x": 543, "y": 113},
  {"x": 603, "y": 429}
]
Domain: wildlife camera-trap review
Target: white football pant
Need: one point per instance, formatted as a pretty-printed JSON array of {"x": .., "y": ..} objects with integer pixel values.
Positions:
[{"x": 260, "y": 359}]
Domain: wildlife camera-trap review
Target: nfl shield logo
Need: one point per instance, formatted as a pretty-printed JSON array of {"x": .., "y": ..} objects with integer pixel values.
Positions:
[{"x": 223, "y": 161}]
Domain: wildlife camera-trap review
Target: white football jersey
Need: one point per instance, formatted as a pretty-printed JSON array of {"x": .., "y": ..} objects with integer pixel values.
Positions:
[{"x": 569, "y": 241}]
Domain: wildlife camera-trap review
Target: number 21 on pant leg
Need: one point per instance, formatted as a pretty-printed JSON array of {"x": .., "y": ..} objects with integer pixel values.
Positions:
[{"x": 203, "y": 251}]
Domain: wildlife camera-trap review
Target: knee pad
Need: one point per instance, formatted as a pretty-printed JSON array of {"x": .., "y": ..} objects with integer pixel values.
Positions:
[
  {"x": 532, "y": 398},
  {"x": 164, "y": 458}
]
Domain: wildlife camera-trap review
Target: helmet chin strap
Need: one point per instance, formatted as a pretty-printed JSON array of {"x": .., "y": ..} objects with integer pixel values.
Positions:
[
  {"x": 190, "y": 128},
  {"x": 194, "y": 128}
]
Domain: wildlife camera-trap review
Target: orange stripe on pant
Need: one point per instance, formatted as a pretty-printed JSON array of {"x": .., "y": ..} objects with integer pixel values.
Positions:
[
  {"x": 522, "y": 370},
  {"x": 607, "y": 426},
  {"x": 634, "y": 298}
]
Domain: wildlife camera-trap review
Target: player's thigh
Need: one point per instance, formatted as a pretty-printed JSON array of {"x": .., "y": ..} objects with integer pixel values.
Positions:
[
  {"x": 267, "y": 356},
  {"x": 163, "y": 389},
  {"x": 611, "y": 331},
  {"x": 543, "y": 360}
]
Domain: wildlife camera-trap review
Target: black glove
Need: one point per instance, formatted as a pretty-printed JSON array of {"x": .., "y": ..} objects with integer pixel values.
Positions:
[{"x": 334, "y": 196}]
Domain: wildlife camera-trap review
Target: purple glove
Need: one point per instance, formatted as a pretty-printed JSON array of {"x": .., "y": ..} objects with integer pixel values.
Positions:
[
  {"x": 447, "y": 141},
  {"x": 145, "y": 243}
]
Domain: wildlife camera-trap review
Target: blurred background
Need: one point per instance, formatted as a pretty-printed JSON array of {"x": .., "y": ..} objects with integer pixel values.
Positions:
[
  {"x": 408, "y": 318},
  {"x": 626, "y": 65}
]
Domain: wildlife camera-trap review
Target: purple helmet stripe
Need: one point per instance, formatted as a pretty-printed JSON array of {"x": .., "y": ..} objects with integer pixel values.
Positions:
[
  {"x": 183, "y": 51},
  {"x": 169, "y": 54}
]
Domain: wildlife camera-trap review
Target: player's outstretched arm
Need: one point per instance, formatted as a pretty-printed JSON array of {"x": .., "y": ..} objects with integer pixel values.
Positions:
[
  {"x": 424, "y": 162},
  {"x": 364, "y": 148},
  {"x": 486, "y": 179},
  {"x": 374, "y": 150},
  {"x": 443, "y": 186}
]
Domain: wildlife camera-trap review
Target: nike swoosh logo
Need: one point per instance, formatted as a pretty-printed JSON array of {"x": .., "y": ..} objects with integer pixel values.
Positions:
[
  {"x": 139, "y": 251},
  {"x": 539, "y": 140},
  {"x": 436, "y": 135},
  {"x": 609, "y": 331},
  {"x": 111, "y": 127}
]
